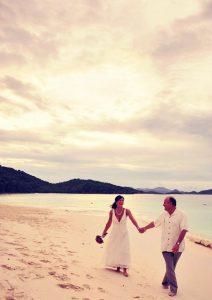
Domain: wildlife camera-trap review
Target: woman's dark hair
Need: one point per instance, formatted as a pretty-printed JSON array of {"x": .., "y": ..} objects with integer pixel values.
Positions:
[
  {"x": 119, "y": 197},
  {"x": 173, "y": 201}
]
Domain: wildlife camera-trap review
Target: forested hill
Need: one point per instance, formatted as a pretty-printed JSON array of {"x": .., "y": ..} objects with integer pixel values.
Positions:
[
  {"x": 93, "y": 187},
  {"x": 206, "y": 192},
  {"x": 13, "y": 181},
  {"x": 16, "y": 181}
]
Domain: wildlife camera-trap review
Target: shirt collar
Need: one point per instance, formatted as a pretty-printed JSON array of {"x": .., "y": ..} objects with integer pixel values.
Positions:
[{"x": 174, "y": 213}]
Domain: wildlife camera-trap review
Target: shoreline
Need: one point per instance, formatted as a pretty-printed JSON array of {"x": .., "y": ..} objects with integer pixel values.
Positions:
[
  {"x": 199, "y": 239},
  {"x": 52, "y": 254},
  {"x": 146, "y": 208}
]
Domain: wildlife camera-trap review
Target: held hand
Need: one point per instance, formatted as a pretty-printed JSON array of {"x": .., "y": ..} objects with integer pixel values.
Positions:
[
  {"x": 141, "y": 230},
  {"x": 175, "y": 248}
]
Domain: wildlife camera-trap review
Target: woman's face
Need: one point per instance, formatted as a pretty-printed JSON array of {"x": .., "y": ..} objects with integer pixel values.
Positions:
[{"x": 120, "y": 202}]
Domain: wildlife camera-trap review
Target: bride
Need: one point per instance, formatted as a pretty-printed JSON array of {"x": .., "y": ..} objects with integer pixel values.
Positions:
[{"x": 118, "y": 247}]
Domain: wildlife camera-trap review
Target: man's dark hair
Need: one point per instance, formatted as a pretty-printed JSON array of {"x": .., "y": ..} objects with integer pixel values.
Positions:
[{"x": 173, "y": 201}]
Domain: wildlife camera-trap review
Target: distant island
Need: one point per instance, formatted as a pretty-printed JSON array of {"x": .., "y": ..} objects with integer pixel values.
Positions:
[{"x": 16, "y": 181}]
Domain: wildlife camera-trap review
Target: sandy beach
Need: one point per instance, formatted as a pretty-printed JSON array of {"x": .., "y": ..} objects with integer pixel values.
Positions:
[{"x": 52, "y": 254}]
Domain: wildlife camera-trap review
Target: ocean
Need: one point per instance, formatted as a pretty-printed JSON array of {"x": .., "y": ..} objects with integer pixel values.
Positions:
[{"x": 144, "y": 207}]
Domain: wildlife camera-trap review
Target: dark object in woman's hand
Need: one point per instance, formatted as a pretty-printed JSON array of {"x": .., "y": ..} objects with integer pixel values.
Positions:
[{"x": 99, "y": 239}]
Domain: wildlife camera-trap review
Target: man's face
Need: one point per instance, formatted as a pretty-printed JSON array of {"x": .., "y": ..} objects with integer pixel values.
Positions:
[{"x": 167, "y": 204}]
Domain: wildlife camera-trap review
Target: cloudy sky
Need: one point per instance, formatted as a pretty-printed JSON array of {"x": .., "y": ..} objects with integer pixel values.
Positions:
[{"x": 117, "y": 91}]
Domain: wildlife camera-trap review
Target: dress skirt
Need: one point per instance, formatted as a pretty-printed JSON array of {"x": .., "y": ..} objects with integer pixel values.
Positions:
[{"x": 117, "y": 252}]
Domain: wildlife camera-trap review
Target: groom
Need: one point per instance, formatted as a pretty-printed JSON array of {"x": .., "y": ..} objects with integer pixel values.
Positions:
[{"x": 174, "y": 228}]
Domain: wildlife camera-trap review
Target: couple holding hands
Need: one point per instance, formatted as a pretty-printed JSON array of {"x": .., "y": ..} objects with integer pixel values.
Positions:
[{"x": 174, "y": 226}]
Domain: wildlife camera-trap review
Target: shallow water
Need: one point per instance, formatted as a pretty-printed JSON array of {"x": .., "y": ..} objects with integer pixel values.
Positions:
[{"x": 198, "y": 208}]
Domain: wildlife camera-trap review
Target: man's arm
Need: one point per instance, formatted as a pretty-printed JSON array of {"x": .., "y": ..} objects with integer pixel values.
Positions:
[
  {"x": 179, "y": 240},
  {"x": 148, "y": 226}
]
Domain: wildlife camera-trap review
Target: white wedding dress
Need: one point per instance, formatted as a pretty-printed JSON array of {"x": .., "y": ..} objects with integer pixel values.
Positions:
[{"x": 117, "y": 252}]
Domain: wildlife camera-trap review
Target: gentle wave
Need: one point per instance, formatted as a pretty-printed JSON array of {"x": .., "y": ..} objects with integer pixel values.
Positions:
[{"x": 198, "y": 208}]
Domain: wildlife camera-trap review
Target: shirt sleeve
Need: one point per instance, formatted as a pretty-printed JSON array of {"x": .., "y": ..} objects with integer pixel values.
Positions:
[
  {"x": 159, "y": 220},
  {"x": 184, "y": 222}
]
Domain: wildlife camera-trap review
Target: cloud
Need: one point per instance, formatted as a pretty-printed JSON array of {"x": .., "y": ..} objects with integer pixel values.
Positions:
[
  {"x": 9, "y": 107},
  {"x": 23, "y": 90},
  {"x": 27, "y": 38},
  {"x": 27, "y": 137},
  {"x": 187, "y": 37},
  {"x": 166, "y": 118},
  {"x": 8, "y": 59},
  {"x": 172, "y": 119},
  {"x": 113, "y": 91}
]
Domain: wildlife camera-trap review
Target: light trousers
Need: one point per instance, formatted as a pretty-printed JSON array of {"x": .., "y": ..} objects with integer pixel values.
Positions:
[{"x": 170, "y": 279}]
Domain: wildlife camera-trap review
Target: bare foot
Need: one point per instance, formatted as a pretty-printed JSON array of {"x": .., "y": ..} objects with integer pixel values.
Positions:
[{"x": 125, "y": 274}]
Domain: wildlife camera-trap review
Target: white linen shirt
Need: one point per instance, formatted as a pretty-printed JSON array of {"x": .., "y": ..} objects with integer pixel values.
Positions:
[{"x": 171, "y": 226}]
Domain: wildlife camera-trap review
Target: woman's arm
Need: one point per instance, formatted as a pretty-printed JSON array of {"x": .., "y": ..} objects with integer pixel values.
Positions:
[
  {"x": 148, "y": 226},
  {"x": 108, "y": 224},
  {"x": 132, "y": 219}
]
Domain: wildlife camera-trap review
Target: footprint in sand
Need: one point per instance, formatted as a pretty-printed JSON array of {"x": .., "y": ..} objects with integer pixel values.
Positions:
[
  {"x": 62, "y": 277},
  {"x": 13, "y": 244},
  {"x": 23, "y": 277},
  {"x": 37, "y": 276},
  {"x": 52, "y": 273},
  {"x": 86, "y": 286},
  {"x": 44, "y": 261},
  {"x": 31, "y": 263},
  {"x": 74, "y": 274},
  {"x": 24, "y": 254},
  {"x": 74, "y": 261},
  {"x": 89, "y": 276},
  {"x": 10, "y": 254},
  {"x": 8, "y": 267},
  {"x": 64, "y": 267},
  {"x": 70, "y": 286},
  {"x": 22, "y": 249},
  {"x": 37, "y": 242},
  {"x": 44, "y": 252},
  {"x": 71, "y": 252},
  {"x": 101, "y": 289}
]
